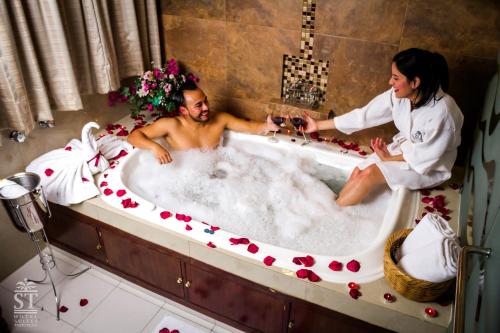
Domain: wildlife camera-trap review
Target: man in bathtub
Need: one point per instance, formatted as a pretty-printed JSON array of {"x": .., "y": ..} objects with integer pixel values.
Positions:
[{"x": 195, "y": 127}]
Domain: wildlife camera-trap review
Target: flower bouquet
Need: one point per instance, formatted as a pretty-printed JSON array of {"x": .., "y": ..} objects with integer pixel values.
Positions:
[{"x": 154, "y": 90}]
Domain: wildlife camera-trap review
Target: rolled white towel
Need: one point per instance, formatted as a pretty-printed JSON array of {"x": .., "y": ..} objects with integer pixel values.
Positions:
[
  {"x": 435, "y": 262},
  {"x": 11, "y": 190},
  {"x": 432, "y": 227}
]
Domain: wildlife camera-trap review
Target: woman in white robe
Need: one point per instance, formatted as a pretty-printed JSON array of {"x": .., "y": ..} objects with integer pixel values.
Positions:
[{"x": 429, "y": 121}]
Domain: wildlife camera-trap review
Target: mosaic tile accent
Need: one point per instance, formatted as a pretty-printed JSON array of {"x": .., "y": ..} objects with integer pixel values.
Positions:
[{"x": 304, "y": 67}]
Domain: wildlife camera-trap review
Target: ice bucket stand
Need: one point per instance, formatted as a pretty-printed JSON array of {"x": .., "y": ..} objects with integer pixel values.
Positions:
[{"x": 28, "y": 213}]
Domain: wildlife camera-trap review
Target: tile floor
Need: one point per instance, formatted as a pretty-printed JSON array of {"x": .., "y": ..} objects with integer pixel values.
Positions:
[{"x": 114, "y": 304}]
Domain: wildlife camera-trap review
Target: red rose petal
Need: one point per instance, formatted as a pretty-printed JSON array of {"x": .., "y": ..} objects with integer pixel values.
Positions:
[
  {"x": 335, "y": 266},
  {"x": 455, "y": 186},
  {"x": 105, "y": 175},
  {"x": 296, "y": 261},
  {"x": 313, "y": 277},
  {"x": 237, "y": 241},
  {"x": 417, "y": 221},
  {"x": 314, "y": 135},
  {"x": 308, "y": 261},
  {"x": 84, "y": 179},
  {"x": 121, "y": 193},
  {"x": 431, "y": 312},
  {"x": 302, "y": 273},
  {"x": 354, "y": 293},
  {"x": 427, "y": 200},
  {"x": 103, "y": 184},
  {"x": 446, "y": 217},
  {"x": 128, "y": 203},
  {"x": 84, "y": 302},
  {"x": 429, "y": 209},
  {"x": 164, "y": 330},
  {"x": 214, "y": 228},
  {"x": 165, "y": 214},
  {"x": 389, "y": 298},
  {"x": 180, "y": 217},
  {"x": 210, "y": 244},
  {"x": 187, "y": 218},
  {"x": 353, "y": 285},
  {"x": 68, "y": 148},
  {"x": 353, "y": 266},
  {"x": 63, "y": 309},
  {"x": 363, "y": 153},
  {"x": 108, "y": 191},
  {"x": 252, "y": 248},
  {"x": 174, "y": 331},
  {"x": 122, "y": 132},
  {"x": 269, "y": 260},
  {"x": 49, "y": 172},
  {"x": 425, "y": 192},
  {"x": 188, "y": 227},
  {"x": 121, "y": 154}
]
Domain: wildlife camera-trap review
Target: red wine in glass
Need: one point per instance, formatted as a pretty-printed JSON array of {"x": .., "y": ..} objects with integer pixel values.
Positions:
[
  {"x": 298, "y": 122},
  {"x": 278, "y": 120}
]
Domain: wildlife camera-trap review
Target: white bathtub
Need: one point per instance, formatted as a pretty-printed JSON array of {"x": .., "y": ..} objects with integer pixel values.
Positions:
[{"x": 399, "y": 214}]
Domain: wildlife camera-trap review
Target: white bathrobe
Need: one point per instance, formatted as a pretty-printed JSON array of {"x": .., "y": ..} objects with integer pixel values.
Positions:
[{"x": 428, "y": 138}]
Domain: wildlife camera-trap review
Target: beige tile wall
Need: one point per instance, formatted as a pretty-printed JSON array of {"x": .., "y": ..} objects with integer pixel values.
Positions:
[
  {"x": 15, "y": 247},
  {"x": 236, "y": 46}
]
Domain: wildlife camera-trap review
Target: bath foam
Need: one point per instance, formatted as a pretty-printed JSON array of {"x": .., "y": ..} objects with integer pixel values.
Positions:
[{"x": 261, "y": 193}]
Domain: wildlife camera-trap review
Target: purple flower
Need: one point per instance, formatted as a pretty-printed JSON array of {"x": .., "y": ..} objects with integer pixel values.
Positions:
[
  {"x": 153, "y": 85},
  {"x": 113, "y": 97},
  {"x": 156, "y": 72},
  {"x": 193, "y": 77},
  {"x": 172, "y": 67},
  {"x": 145, "y": 87}
]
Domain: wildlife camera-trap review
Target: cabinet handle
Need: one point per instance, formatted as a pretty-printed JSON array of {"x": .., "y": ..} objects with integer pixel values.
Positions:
[
  {"x": 187, "y": 284},
  {"x": 98, "y": 247},
  {"x": 291, "y": 324},
  {"x": 179, "y": 280}
]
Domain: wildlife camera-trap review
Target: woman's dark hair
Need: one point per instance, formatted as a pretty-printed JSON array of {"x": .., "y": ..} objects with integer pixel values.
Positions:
[
  {"x": 178, "y": 96},
  {"x": 431, "y": 68}
]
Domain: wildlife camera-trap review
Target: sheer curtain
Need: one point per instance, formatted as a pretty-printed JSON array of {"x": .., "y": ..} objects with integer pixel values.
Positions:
[{"x": 54, "y": 51}]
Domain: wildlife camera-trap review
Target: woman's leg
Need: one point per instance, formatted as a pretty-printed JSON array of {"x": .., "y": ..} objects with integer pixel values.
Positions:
[{"x": 359, "y": 185}]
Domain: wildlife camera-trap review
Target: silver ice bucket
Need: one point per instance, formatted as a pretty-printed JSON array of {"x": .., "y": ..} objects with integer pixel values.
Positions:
[{"x": 30, "y": 211}]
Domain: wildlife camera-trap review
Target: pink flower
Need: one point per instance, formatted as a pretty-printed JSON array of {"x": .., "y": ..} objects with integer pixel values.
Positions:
[
  {"x": 150, "y": 107},
  {"x": 156, "y": 72},
  {"x": 172, "y": 67}
]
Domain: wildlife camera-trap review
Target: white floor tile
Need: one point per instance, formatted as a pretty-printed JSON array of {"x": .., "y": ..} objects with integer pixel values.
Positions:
[
  {"x": 65, "y": 256},
  {"x": 142, "y": 293},
  {"x": 7, "y": 304},
  {"x": 120, "y": 312},
  {"x": 71, "y": 291},
  {"x": 33, "y": 270},
  {"x": 165, "y": 319},
  {"x": 189, "y": 314}
]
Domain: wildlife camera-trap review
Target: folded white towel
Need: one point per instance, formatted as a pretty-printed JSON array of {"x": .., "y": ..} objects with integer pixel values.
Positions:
[
  {"x": 432, "y": 227},
  {"x": 434, "y": 262},
  {"x": 11, "y": 190},
  {"x": 111, "y": 146}
]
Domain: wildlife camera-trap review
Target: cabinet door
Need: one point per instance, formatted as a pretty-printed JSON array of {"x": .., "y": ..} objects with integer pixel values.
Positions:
[
  {"x": 310, "y": 318},
  {"x": 76, "y": 233},
  {"x": 236, "y": 299},
  {"x": 148, "y": 263}
]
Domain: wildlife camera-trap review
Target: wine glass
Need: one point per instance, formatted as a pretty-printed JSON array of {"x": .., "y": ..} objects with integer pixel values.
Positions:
[
  {"x": 299, "y": 123},
  {"x": 278, "y": 118}
]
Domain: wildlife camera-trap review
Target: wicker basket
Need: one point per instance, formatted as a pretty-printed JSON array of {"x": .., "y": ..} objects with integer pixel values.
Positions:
[{"x": 409, "y": 287}]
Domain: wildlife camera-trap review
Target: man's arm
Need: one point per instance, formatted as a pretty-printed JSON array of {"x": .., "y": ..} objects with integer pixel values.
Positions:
[
  {"x": 240, "y": 125},
  {"x": 143, "y": 138}
]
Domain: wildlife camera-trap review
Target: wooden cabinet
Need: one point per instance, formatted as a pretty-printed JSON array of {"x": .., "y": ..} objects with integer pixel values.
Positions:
[
  {"x": 76, "y": 233},
  {"x": 151, "y": 264},
  {"x": 226, "y": 297},
  {"x": 253, "y": 306},
  {"x": 309, "y": 318}
]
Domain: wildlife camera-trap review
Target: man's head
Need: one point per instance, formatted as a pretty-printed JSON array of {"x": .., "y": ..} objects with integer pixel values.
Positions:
[{"x": 192, "y": 102}]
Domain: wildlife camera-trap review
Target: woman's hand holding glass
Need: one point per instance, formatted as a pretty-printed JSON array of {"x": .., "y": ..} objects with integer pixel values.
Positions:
[{"x": 311, "y": 124}]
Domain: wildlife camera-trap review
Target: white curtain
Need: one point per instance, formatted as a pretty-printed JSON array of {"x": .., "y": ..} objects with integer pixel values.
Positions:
[{"x": 54, "y": 51}]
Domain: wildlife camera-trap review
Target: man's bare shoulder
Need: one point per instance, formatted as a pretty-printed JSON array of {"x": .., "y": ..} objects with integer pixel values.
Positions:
[
  {"x": 167, "y": 122},
  {"x": 224, "y": 117}
]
